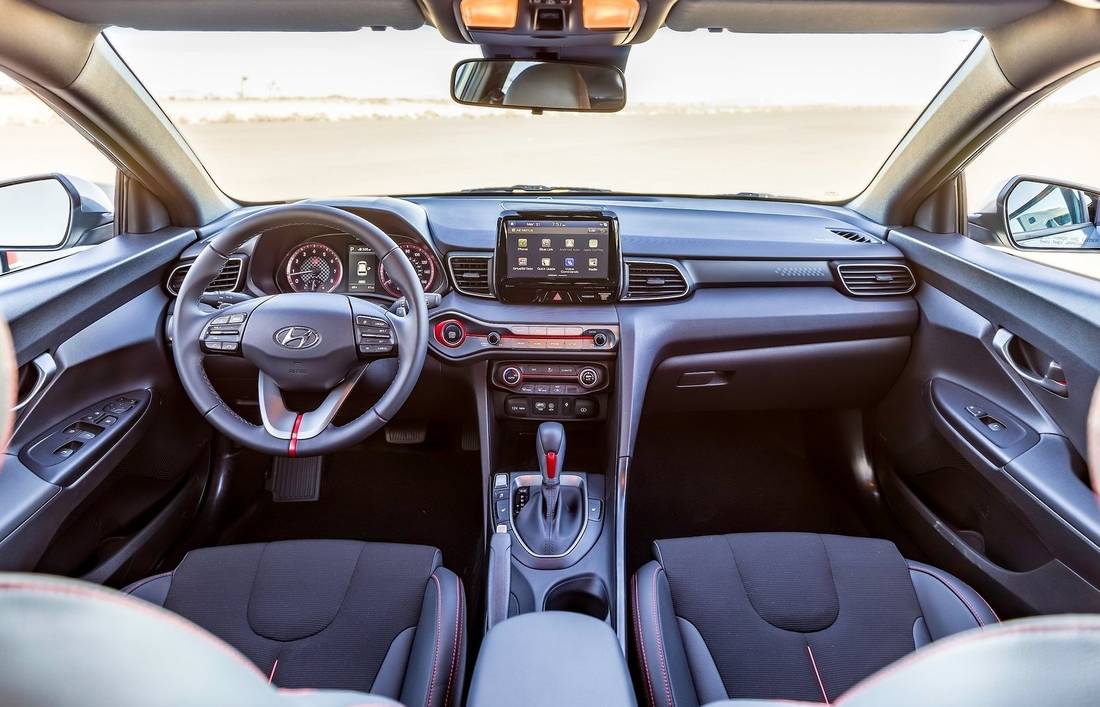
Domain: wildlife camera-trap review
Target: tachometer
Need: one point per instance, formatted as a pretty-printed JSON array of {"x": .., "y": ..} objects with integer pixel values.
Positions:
[
  {"x": 423, "y": 263},
  {"x": 314, "y": 267}
]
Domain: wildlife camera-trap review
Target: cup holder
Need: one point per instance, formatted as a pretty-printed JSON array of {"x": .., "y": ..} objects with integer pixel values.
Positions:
[{"x": 580, "y": 595}]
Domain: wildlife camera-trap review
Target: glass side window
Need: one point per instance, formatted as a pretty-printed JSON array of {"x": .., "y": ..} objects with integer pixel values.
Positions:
[
  {"x": 45, "y": 164},
  {"x": 1037, "y": 185}
]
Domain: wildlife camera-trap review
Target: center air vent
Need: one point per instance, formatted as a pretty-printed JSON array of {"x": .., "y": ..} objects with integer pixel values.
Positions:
[
  {"x": 648, "y": 280},
  {"x": 472, "y": 274},
  {"x": 228, "y": 280},
  {"x": 855, "y": 236},
  {"x": 869, "y": 279}
]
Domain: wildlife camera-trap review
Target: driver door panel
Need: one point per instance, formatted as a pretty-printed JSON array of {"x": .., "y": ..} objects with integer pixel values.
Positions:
[{"x": 104, "y": 509}]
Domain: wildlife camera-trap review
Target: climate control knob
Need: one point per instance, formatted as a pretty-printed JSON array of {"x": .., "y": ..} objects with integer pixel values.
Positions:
[
  {"x": 589, "y": 377},
  {"x": 511, "y": 376}
]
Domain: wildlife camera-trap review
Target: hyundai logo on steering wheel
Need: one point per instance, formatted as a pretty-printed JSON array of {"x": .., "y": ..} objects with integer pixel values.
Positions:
[{"x": 297, "y": 337}]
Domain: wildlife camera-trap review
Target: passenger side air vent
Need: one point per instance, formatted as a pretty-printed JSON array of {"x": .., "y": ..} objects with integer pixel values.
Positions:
[
  {"x": 869, "y": 279},
  {"x": 649, "y": 280},
  {"x": 228, "y": 280},
  {"x": 472, "y": 274},
  {"x": 855, "y": 236}
]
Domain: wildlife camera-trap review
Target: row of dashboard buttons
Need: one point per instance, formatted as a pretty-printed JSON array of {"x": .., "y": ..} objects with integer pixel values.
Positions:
[
  {"x": 551, "y": 407},
  {"x": 524, "y": 330}
]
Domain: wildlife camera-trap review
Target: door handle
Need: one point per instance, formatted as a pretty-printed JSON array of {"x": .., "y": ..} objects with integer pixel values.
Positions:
[
  {"x": 1053, "y": 380},
  {"x": 44, "y": 369}
]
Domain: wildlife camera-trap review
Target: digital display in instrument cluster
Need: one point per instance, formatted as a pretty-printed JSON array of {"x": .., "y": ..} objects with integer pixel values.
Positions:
[
  {"x": 550, "y": 250},
  {"x": 362, "y": 269}
]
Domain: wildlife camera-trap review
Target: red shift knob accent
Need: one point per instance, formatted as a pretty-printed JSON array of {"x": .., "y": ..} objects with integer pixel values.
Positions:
[{"x": 551, "y": 465}]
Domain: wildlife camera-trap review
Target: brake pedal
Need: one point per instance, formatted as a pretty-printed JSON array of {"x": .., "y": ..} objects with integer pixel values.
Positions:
[
  {"x": 406, "y": 434},
  {"x": 295, "y": 479}
]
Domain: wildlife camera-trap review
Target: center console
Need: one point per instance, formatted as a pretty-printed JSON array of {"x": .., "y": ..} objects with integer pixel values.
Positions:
[{"x": 546, "y": 364}]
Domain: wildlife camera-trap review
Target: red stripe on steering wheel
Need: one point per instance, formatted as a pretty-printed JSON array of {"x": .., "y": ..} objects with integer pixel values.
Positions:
[{"x": 292, "y": 450}]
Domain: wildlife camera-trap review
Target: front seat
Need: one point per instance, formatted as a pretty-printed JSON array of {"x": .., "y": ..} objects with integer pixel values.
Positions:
[
  {"x": 793, "y": 616},
  {"x": 378, "y": 618}
]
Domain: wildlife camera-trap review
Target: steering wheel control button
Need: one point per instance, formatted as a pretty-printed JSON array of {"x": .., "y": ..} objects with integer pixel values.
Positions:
[
  {"x": 223, "y": 333},
  {"x": 589, "y": 377},
  {"x": 450, "y": 333},
  {"x": 375, "y": 335},
  {"x": 511, "y": 376}
]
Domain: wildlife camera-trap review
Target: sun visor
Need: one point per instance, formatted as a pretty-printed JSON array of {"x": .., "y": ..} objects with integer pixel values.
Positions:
[
  {"x": 242, "y": 15},
  {"x": 847, "y": 16}
]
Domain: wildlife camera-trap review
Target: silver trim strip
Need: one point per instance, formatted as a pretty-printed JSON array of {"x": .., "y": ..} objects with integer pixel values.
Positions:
[
  {"x": 536, "y": 480},
  {"x": 279, "y": 421},
  {"x": 236, "y": 285},
  {"x": 840, "y": 272},
  {"x": 688, "y": 285},
  {"x": 454, "y": 280}
]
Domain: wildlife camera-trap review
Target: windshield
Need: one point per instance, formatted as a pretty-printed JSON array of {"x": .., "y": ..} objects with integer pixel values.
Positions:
[{"x": 291, "y": 115}]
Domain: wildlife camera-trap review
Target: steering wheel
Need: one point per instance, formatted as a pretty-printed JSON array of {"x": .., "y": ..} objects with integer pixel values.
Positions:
[{"x": 301, "y": 342}]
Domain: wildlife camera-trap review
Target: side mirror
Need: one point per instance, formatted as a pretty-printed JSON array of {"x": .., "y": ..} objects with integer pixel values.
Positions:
[
  {"x": 539, "y": 85},
  {"x": 1038, "y": 213},
  {"x": 53, "y": 212}
]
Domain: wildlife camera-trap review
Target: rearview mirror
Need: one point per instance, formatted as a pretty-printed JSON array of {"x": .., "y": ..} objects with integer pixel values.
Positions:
[
  {"x": 1037, "y": 213},
  {"x": 539, "y": 85},
  {"x": 52, "y": 212}
]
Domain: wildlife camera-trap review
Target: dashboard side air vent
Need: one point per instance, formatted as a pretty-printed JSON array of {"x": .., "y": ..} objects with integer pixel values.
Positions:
[
  {"x": 654, "y": 279},
  {"x": 871, "y": 279},
  {"x": 472, "y": 274},
  {"x": 854, "y": 236},
  {"x": 228, "y": 280}
]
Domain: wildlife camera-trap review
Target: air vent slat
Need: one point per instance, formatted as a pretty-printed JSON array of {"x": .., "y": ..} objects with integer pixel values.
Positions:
[
  {"x": 854, "y": 236},
  {"x": 228, "y": 280},
  {"x": 472, "y": 274},
  {"x": 876, "y": 279},
  {"x": 653, "y": 280}
]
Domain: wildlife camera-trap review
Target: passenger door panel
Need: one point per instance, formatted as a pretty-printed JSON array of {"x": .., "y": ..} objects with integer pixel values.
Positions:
[{"x": 984, "y": 462}]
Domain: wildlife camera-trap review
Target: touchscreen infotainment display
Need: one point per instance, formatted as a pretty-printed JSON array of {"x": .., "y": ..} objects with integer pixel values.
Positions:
[{"x": 545, "y": 249}]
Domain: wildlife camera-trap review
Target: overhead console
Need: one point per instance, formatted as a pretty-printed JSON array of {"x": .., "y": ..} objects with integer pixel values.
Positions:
[{"x": 558, "y": 258}]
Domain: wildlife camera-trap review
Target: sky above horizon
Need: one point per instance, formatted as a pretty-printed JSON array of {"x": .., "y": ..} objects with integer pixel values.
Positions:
[{"x": 673, "y": 67}]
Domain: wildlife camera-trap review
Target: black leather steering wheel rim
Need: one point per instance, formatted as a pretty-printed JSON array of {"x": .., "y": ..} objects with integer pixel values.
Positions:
[{"x": 190, "y": 320}]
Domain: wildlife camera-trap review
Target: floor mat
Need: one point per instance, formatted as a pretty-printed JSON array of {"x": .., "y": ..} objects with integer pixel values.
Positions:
[{"x": 729, "y": 473}]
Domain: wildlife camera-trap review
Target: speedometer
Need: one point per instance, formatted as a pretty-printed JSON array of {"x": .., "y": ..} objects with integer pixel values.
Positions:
[
  {"x": 314, "y": 267},
  {"x": 423, "y": 263}
]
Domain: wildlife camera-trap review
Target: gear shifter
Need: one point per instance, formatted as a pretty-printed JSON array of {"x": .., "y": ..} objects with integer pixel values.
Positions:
[
  {"x": 553, "y": 518},
  {"x": 551, "y": 450}
]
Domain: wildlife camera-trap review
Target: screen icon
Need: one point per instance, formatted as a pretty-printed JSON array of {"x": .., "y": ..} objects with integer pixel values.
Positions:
[
  {"x": 569, "y": 262},
  {"x": 546, "y": 262},
  {"x": 522, "y": 262},
  {"x": 361, "y": 268},
  {"x": 522, "y": 242},
  {"x": 570, "y": 243},
  {"x": 593, "y": 243},
  {"x": 545, "y": 242},
  {"x": 593, "y": 262}
]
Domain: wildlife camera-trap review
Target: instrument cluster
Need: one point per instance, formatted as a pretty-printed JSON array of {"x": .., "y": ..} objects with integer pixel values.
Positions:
[{"x": 337, "y": 262}]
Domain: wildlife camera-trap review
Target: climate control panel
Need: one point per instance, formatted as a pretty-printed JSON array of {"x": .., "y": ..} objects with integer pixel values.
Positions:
[{"x": 561, "y": 390}]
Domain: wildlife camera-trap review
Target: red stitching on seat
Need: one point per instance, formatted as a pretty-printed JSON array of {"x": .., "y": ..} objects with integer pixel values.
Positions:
[
  {"x": 817, "y": 674},
  {"x": 661, "y": 640},
  {"x": 641, "y": 642},
  {"x": 438, "y": 637},
  {"x": 454, "y": 648},
  {"x": 139, "y": 605}
]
